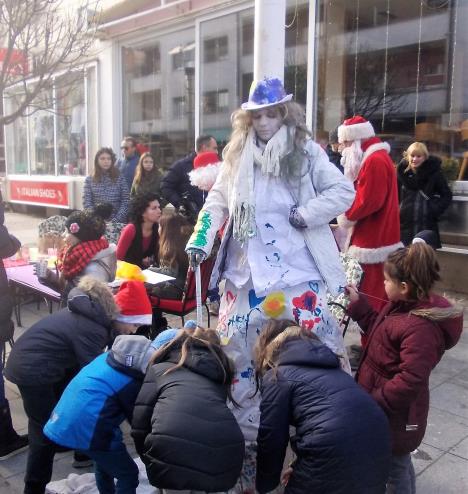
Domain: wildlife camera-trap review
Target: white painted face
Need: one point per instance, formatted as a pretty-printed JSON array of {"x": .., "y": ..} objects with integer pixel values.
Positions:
[{"x": 266, "y": 122}]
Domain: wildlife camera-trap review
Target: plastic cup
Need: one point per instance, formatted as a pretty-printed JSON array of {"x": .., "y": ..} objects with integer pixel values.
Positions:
[{"x": 33, "y": 254}]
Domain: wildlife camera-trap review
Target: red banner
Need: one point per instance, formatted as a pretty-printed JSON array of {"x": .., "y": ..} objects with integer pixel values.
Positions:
[
  {"x": 51, "y": 193},
  {"x": 18, "y": 63}
]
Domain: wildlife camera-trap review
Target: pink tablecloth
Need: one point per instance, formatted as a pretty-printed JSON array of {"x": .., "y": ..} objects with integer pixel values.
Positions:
[{"x": 25, "y": 277}]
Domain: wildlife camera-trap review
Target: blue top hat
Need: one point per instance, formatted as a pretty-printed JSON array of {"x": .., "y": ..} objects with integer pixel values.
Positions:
[{"x": 264, "y": 93}]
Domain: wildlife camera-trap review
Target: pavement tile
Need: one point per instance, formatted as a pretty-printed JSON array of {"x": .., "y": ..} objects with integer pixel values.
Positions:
[
  {"x": 444, "y": 429},
  {"x": 448, "y": 475},
  {"x": 461, "y": 449},
  {"x": 425, "y": 456},
  {"x": 452, "y": 398}
]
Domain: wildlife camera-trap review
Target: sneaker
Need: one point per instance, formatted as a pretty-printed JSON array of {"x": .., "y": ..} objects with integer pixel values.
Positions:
[
  {"x": 80, "y": 460},
  {"x": 14, "y": 447}
]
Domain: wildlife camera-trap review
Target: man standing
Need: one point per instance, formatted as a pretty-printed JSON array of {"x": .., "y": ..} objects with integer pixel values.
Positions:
[
  {"x": 373, "y": 219},
  {"x": 176, "y": 187},
  {"x": 127, "y": 165}
]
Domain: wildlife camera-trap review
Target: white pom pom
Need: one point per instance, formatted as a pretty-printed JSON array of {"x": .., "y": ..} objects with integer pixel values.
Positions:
[{"x": 204, "y": 177}]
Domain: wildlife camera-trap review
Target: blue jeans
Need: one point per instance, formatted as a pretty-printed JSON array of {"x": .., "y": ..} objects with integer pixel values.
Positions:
[
  {"x": 401, "y": 479},
  {"x": 115, "y": 464}
]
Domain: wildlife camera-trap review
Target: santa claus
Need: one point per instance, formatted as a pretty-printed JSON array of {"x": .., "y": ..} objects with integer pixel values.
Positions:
[{"x": 373, "y": 219}]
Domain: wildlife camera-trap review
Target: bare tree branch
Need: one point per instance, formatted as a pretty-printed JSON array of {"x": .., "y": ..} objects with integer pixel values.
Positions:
[{"x": 40, "y": 39}]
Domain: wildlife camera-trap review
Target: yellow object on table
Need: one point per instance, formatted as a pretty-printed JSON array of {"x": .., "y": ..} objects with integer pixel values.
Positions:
[{"x": 127, "y": 271}]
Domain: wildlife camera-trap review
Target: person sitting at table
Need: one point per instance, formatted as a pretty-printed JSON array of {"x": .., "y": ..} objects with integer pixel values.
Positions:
[
  {"x": 86, "y": 252},
  {"x": 45, "y": 357},
  {"x": 174, "y": 232},
  {"x": 106, "y": 184},
  {"x": 139, "y": 240}
]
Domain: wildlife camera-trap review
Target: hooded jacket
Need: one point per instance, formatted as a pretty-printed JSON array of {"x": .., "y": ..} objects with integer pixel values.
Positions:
[
  {"x": 406, "y": 340},
  {"x": 99, "y": 398},
  {"x": 65, "y": 341},
  {"x": 183, "y": 430},
  {"x": 341, "y": 440},
  {"x": 424, "y": 196}
]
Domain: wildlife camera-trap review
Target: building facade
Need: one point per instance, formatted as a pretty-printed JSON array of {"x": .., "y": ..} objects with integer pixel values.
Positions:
[{"x": 167, "y": 71}]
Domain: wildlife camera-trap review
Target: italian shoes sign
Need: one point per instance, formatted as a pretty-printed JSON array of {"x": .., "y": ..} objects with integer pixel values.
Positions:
[{"x": 47, "y": 193}]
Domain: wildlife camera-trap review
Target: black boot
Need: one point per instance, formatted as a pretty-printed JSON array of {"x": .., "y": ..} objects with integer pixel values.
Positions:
[{"x": 10, "y": 442}]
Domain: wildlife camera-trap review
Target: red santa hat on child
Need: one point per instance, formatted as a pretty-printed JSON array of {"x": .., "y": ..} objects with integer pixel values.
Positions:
[
  {"x": 355, "y": 128},
  {"x": 134, "y": 304},
  {"x": 205, "y": 170}
]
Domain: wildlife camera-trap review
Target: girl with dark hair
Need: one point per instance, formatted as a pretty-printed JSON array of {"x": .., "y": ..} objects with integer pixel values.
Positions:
[
  {"x": 183, "y": 429},
  {"x": 341, "y": 440},
  {"x": 147, "y": 176},
  {"x": 174, "y": 232},
  {"x": 406, "y": 340},
  {"x": 139, "y": 240},
  {"x": 107, "y": 185}
]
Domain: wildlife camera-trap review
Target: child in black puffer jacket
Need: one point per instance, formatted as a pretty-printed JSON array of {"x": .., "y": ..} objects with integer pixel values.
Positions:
[
  {"x": 341, "y": 440},
  {"x": 183, "y": 430}
]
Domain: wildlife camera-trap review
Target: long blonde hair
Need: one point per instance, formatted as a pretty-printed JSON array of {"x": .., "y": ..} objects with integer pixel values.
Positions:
[
  {"x": 419, "y": 147},
  {"x": 141, "y": 173},
  {"x": 293, "y": 116}
]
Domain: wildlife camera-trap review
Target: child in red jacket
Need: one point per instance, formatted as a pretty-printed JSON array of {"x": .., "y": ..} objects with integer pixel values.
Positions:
[{"x": 407, "y": 339}]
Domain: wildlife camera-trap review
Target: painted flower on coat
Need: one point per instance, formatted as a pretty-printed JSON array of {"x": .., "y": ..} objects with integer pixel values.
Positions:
[
  {"x": 274, "y": 304},
  {"x": 74, "y": 228},
  {"x": 307, "y": 301}
]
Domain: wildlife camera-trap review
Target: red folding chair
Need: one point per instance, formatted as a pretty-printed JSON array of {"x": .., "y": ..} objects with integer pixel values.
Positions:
[{"x": 187, "y": 301}]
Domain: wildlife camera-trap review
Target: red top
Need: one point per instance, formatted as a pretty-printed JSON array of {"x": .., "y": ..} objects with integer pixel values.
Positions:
[{"x": 125, "y": 240}]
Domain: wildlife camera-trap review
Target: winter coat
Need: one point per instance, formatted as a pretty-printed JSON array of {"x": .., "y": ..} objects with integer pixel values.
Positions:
[
  {"x": 107, "y": 190},
  {"x": 63, "y": 342},
  {"x": 8, "y": 246},
  {"x": 176, "y": 185},
  {"x": 183, "y": 430},
  {"x": 341, "y": 439},
  {"x": 334, "y": 157},
  {"x": 424, "y": 196},
  {"x": 374, "y": 216},
  {"x": 406, "y": 340},
  {"x": 127, "y": 167},
  {"x": 94, "y": 404},
  {"x": 322, "y": 193},
  {"x": 149, "y": 183}
]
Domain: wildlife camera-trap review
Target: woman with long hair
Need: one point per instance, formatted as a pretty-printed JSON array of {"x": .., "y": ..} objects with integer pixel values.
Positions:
[
  {"x": 278, "y": 255},
  {"x": 139, "y": 240},
  {"x": 147, "y": 176},
  {"x": 106, "y": 184},
  {"x": 182, "y": 427},
  {"x": 174, "y": 232}
]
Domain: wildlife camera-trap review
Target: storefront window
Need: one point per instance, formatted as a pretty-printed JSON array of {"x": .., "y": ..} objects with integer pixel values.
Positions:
[
  {"x": 71, "y": 125},
  {"x": 16, "y": 138},
  {"x": 53, "y": 139},
  {"x": 227, "y": 42},
  {"x": 401, "y": 65},
  {"x": 158, "y": 95}
]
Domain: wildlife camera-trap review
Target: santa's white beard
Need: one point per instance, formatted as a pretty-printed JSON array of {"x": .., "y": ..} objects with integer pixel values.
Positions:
[{"x": 351, "y": 157}]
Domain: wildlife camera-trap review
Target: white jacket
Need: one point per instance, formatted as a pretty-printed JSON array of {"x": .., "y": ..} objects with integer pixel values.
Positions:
[{"x": 322, "y": 194}]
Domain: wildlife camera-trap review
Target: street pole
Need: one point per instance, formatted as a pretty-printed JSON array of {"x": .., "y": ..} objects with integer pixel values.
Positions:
[{"x": 269, "y": 39}]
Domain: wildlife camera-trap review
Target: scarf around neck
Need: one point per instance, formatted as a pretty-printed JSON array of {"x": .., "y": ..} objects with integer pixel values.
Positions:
[
  {"x": 243, "y": 201},
  {"x": 72, "y": 261}
]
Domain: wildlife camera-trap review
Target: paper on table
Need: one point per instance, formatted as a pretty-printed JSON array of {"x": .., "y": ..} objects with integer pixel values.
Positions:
[{"x": 150, "y": 277}]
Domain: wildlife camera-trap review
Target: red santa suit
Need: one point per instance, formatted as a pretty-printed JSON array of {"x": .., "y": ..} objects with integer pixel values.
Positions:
[{"x": 374, "y": 216}]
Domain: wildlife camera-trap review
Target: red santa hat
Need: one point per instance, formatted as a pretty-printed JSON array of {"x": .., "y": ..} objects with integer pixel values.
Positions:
[
  {"x": 205, "y": 170},
  {"x": 355, "y": 128},
  {"x": 134, "y": 304}
]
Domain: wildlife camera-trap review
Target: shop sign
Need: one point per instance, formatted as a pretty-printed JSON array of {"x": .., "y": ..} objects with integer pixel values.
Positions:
[{"x": 49, "y": 193}]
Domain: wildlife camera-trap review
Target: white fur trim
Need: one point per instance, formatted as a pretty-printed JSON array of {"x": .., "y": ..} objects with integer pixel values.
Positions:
[
  {"x": 344, "y": 222},
  {"x": 355, "y": 132},
  {"x": 205, "y": 176},
  {"x": 136, "y": 319},
  {"x": 372, "y": 256},
  {"x": 378, "y": 146}
]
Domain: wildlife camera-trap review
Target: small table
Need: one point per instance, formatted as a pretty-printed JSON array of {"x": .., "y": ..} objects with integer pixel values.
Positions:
[{"x": 24, "y": 284}]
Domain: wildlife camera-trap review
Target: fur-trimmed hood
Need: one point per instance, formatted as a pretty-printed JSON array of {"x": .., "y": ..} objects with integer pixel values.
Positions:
[
  {"x": 93, "y": 299},
  {"x": 412, "y": 180}
]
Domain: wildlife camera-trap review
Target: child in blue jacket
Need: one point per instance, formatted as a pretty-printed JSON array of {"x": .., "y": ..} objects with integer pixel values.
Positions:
[{"x": 94, "y": 404}]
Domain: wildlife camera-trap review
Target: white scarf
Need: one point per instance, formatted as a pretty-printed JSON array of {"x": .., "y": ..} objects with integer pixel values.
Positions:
[{"x": 243, "y": 201}]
